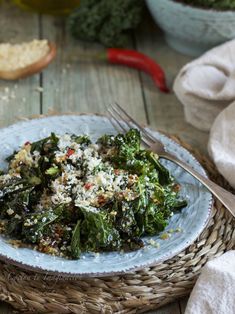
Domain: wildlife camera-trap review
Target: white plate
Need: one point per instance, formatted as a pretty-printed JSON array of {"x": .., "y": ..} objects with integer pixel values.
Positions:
[{"x": 191, "y": 219}]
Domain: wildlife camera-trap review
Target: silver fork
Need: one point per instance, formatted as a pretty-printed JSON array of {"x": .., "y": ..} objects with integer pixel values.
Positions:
[{"x": 123, "y": 122}]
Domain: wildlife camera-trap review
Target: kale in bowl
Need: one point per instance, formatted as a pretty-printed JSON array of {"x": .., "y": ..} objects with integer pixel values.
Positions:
[{"x": 65, "y": 195}]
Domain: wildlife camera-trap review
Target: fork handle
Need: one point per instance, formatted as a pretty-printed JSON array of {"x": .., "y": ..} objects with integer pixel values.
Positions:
[{"x": 225, "y": 197}]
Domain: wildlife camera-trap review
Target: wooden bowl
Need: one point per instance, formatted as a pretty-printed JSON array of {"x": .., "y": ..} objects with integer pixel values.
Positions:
[{"x": 32, "y": 68}]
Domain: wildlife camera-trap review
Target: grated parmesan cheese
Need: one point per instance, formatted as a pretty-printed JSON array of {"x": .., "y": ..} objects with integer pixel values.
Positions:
[
  {"x": 10, "y": 211},
  {"x": 86, "y": 178}
]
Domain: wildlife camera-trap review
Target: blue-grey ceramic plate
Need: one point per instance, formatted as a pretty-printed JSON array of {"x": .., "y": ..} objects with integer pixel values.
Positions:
[{"x": 191, "y": 220}]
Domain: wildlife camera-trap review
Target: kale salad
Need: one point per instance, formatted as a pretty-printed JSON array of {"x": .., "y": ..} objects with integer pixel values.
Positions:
[{"x": 65, "y": 195}]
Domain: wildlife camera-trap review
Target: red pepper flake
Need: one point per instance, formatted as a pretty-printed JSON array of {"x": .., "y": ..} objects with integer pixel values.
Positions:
[
  {"x": 70, "y": 152},
  {"x": 27, "y": 143},
  {"x": 88, "y": 186}
]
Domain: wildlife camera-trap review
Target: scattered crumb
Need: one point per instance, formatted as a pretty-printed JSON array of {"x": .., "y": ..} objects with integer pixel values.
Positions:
[
  {"x": 153, "y": 243},
  {"x": 7, "y": 94},
  {"x": 2, "y": 226},
  {"x": 16, "y": 243},
  {"x": 178, "y": 229},
  {"x": 10, "y": 211},
  {"x": 39, "y": 89},
  {"x": 165, "y": 236}
]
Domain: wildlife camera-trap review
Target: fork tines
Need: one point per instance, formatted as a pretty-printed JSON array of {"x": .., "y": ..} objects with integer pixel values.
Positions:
[{"x": 122, "y": 122}]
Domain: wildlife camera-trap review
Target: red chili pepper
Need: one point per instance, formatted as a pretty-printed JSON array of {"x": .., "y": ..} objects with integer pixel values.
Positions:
[
  {"x": 88, "y": 186},
  {"x": 70, "y": 152},
  {"x": 139, "y": 61}
]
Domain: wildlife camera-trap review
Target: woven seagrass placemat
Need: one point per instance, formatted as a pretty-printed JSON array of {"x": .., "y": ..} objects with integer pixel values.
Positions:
[{"x": 134, "y": 292}]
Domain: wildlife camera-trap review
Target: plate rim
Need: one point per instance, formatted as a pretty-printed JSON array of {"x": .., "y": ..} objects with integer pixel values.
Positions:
[{"x": 91, "y": 274}]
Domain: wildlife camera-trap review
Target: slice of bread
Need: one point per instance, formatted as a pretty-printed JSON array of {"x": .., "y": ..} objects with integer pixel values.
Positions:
[{"x": 18, "y": 56}]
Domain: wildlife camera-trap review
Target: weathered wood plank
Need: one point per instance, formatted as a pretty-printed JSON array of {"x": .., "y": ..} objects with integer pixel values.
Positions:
[
  {"x": 18, "y": 98},
  {"x": 73, "y": 85},
  {"x": 165, "y": 112}
]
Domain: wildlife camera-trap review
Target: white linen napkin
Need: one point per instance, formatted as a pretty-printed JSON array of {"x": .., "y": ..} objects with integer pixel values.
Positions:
[
  {"x": 214, "y": 291},
  {"x": 207, "y": 85},
  {"x": 221, "y": 144}
]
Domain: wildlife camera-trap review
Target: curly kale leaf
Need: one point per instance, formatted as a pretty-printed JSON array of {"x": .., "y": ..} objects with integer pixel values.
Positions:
[
  {"x": 76, "y": 241},
  {"x": 155, "y": 220},
  {"x": 18, "y": 185},
  {"x": 129, "y": 155},
  {"x": 97, "y": 232},
  {"x": 163, "y": 174},
  {"x": 106, "y": 21},
  {"x": 106, "y": 140},
  {"x": 36, "y": 223},
  {"x": 81, "y": 139},
  {"x": 128, "y": 144},
  {"x": 43, "y": 146},
  {"x": 47, "y": 145},
  {"x": 172, "y": 200},
  {"x": 117, "y": 224}
]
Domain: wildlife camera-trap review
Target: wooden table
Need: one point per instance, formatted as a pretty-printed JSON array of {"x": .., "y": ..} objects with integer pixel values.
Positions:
[{"x": 71, "y": 85}]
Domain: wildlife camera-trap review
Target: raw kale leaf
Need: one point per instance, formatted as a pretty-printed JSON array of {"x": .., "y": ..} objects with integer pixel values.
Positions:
[{"x": 106, "y": 21}]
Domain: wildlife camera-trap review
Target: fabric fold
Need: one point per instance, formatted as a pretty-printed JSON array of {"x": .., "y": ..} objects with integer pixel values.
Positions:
[
  {"x": 213, "y": 292},
  {"x": 221, "y": 144},
  {"x": 206, "y": 85}
]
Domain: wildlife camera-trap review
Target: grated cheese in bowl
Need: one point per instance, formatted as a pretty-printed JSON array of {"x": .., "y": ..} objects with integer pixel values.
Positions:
[{"x": 18, "y": 56}]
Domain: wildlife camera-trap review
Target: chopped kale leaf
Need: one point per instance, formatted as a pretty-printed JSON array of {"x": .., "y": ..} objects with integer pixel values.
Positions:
[{"x": 66, "y": 195}]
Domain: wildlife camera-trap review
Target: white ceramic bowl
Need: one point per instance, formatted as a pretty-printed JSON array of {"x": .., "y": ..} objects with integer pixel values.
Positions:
[{"x": 192, "y": 30}]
